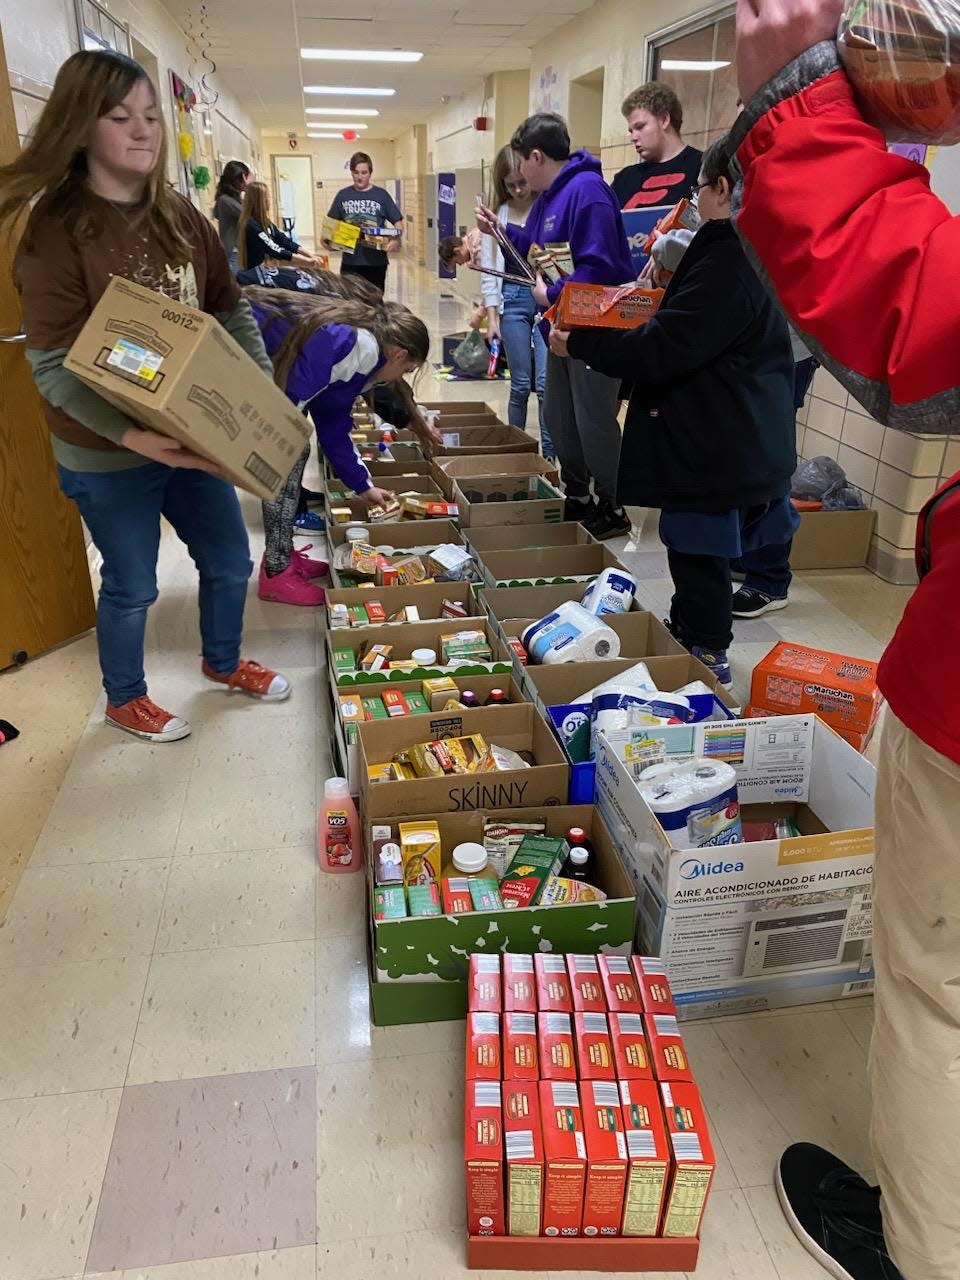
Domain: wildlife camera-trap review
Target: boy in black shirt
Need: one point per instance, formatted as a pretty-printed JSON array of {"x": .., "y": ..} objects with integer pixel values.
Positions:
[
  {"x": 368, "y": 206},
  {"x": 668, "y": 169}
]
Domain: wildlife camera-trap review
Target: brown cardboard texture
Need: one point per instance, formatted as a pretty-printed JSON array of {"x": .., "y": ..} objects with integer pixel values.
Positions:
[
  {"x": 445, "y": 470},
  {"x": 427, "y": 597},
  {"x": 178, "y": 371},
  {"x": 456, "y": 408},
  {"x": 520, "y": 728},
  {"x": 484, "y": 538},
  {"x": 495, "y": 501},
  {"x": 493, "y": 438},
  {"x": 404, "y": 639},
  {"x": 832, "y": 539},
  {"x": 642, "y": 635},
  {"x": 546, "y": 565},
  {"x": 402, "y": 534},
  {"x": 560, "y": 685}
]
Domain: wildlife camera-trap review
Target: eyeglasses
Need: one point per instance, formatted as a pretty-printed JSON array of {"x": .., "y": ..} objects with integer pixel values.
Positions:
[{"x": 697, "y": 188}]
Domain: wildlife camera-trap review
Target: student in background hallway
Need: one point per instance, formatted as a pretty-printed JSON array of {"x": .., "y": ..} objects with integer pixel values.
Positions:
[
  {"x": 511, "y": 309},
  {"x": 667, "y": 168},
  {"x": 259, "y": 239},
  {"x": 97, "y": 160},
  {"x": 228, "y": 205},
  {"x": 574, "y": 204},
  {"x": 365, "y": 205}
]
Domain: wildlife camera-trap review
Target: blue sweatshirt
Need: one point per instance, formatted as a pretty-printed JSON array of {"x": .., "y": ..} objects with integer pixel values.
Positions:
[
  {"x": 580, "y": 208},
  {"x": 336, "y": 365}
]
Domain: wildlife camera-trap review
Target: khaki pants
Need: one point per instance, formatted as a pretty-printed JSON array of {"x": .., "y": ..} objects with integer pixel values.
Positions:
[{"x": 915, "y": 1053}]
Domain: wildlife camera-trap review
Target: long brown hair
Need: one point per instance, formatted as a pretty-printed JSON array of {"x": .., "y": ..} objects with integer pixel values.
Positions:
[
  {"x": 504, "y": 164},
  {"x": 255, "y": 208},
  {"x": 53, "y": 164}
]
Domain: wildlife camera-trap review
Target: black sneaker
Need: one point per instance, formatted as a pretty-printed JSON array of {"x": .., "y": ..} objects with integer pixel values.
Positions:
[
  {"x": 609, "y": 522},
  {"x": 748, "y": 603},
  {"x": 584, "y": 511},
  {"x": 313, "y": 496},
  {"x": 834, "y": 1214}
]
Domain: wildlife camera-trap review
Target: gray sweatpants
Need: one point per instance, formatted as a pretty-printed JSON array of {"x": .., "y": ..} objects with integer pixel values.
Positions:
[{"x": 580, "y": 410}]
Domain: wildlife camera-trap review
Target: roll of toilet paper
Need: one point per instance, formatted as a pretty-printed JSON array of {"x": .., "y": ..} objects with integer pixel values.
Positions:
[
  {"x": 626, "y": 707},
  {"x": 695, "y": 802},
  {"x": 612, "y": 591},
  {"x": 570, "y": 634}
]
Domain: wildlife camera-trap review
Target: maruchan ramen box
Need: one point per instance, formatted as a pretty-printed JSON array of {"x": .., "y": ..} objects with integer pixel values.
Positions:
[
  {"x": 564, "y": 1158},
  {"x": 523, "y": 1146},
  {"x": 484, "y": 984},
  {"x": 483, "y": 1046},
  {"x": 606, "y": 1158},
  {"x": 669, "y": 1053},
  {"x": 484, "y": 1159},
  {"x": 648, "y": 1151},
  {"x": 655, "y": 993},
  {"x": 692, "y": 1161},
  {"x": 558, "y": 1059},
  {"x": 519, "y": 984},
  {"x": 594, "y": 1047},
  {"x": 793, "y": 679},
  {"x": 598, "y": 306},
  {"x": 631, "y": 1053},
  {"x": 553, "y": 983},
  {"x": 620, "y": 985},
  {"x": 521, "y": 1060},
  {"x": 586, "y": 987}
]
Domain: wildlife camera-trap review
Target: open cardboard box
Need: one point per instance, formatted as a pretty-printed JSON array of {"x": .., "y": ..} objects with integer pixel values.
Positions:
[
  {"x": 521, "y": 728},
  {"x": 338, "y": 497},
  {"x": 428, "y": 598},
  {"x": 503, "y": 603},
  {"x": 832, "y": 539},
  {"x": 413, "y": 466},
  {"x": 419, "y": 966},
  {"x": 495, "y": 501},
  {"x": 406, "y": 638},
  {"x": 541, "y": 566},
  {"x": 413, "y": 537},
  {"x": 178, "y": 371},
  {"x": 405, "y": 455},
  {"x": 766, "y": 924},
  {"x": 457, "y": 408},
  {"x": 445, "y": 470},
  {"x": 460, "y": 441},
  {"x": 484, "y": 538}
]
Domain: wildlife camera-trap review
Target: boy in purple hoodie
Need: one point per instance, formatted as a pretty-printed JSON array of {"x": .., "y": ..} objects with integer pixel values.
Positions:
[{"x": 574, "y": 204}]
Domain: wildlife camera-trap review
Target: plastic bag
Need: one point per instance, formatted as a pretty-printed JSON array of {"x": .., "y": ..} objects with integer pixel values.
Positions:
[
  {"x": 903, "y": 58},
  {"x": 472, "y": 355},
  {"x": 817, "y": 476},
  {"x": 843, "y": 497}
]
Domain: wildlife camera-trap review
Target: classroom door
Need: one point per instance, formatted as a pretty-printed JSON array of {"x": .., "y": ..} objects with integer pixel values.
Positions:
[{"x": 45, "y": 592}]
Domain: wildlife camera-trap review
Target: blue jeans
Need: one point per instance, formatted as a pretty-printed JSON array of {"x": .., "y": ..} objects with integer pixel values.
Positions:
[
  {"x": 518, "y": 328},
  {"x": 122, "y": 510}
]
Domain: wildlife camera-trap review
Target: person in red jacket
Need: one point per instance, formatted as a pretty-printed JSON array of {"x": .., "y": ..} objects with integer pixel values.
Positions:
[{"x": 866, "y": 262}]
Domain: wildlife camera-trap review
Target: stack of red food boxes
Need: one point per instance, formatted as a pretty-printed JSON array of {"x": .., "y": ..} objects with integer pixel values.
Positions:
[{"x": 582, "y": 1115}]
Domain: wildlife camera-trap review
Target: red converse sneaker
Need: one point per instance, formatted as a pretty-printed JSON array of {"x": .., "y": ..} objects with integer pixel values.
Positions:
[
  {"x": 308, "y": 567},
  {"x": 144, "y": 719},
  {"x": 290, "y": 587},
  {"x": 254, "y": 680}
]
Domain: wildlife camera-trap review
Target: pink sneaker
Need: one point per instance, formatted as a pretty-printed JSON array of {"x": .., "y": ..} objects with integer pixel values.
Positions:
[
  {"x": 308, "y": 567},
  {"x": 289, "y": 587}
]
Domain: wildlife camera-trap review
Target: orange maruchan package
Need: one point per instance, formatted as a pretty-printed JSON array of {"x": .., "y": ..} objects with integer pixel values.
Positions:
[
  {"x": 655, "y": 993},
  {"x": 483, "y": 1046},
  {"x": 620, "y": 985},
  {"x": 585, "y": 984},
  {"x": 519, "y": 984},
  {"x": 553, "y": 983},
  {"x": 594, "y": 1047},
  {"x": 523, "y": 1147},
  {"x": 521, "y": 1058},
  {"x": 692, "y": 1159},
  {"x": 483, "y": 1155},
  {"x": 599, "y": 306},
  {"x": 793, "y": 679},
  {"x": 669, "y": 1053},
  {"x": 558, "y": 1059},
  {"x": 649, "y": 1153},
  {"x": 631, "y": 1053},
  {"x": 564, "y": 1158},
  {"x": 606, "y": 1158},
  {"x": 484, "y": 983}
]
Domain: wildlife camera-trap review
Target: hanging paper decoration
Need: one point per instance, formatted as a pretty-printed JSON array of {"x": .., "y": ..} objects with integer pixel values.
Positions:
[
  {"x": 199, "y": 44},
  {"x": 201, "y": 177}
]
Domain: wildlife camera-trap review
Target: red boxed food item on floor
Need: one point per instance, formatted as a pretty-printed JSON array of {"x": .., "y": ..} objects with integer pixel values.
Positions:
[
  {"x": 519, "y": 985},
  {"x": 555, "y": 1040},
  {"x": 586, "y": 987},
  {"x": 794, "y": 679},
  {"x": 692, "y": 1159},
  {"x": 649, "y": 1154},
  {"x": 521, "y": 1061},
  {"x": 620, "y": 985},
  {"x": 565, "y": 1158},
  {"x": 594, "y": 1046},
  {"x": 553, "y": 984},
  {"x": 655, "y": 993},
  {"x": 483, "y": 1046},
  {"x": 483, "y": 1154},
  {"x": 631, "y": 1053},
  {"x": 669, "y": 1053},
  {"x": 484, "y": 984},
  {"x": 606, "y": 1158},
  {"x": 523, "y": 1145}
]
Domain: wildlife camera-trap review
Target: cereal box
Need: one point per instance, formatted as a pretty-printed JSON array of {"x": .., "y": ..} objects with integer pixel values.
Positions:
[
  {"x": 692, "y": 1162},
  {"x": 586, "y": 987},
  {"x": 484, "y": 984},
  {"x": 655, "y": 993},
  {"x": 483, "y": 1156},
  {"x": 553, "y": 984},
  {"x": 619, "y": 985},
  {"x": 555, "y": 1040},
  {"x": 669, "y": 1054},
  {"x": 606, "y": 1157},
  {"x": 649, "y": 1154},
  {"x": 594, "y": 1046},
  {"x": 523, "y": 1143},
  {"x": 483, "y": 1046},
  {"x": 519, "y": 987},
  {"x": 564, "y": 1157},
  {"x": 631, "y": 1053},
  {"x": 840, "y": 690},
  {"x": 521, "y": 1061}
]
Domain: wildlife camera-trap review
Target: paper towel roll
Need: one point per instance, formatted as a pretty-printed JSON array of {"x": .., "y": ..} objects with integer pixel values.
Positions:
[
  {"x": 612, "y": 591},
  {"x": 570, "y": 634},
  {"x": 695, "y": 802}
]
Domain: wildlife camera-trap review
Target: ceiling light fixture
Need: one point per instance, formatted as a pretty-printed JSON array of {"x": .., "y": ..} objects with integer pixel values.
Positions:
[
  {"x": 341, "y": 111},
  {"x": 337, "y": 124},
  {"x": 324, "y": 135},
  {"x": 348, "y": 90},
  {"x": 360, "y": 55},
  {"x": 691, "y": 64}
]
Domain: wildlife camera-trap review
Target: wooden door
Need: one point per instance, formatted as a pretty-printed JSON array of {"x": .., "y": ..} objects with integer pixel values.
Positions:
[{"x": 45, "y": 592}]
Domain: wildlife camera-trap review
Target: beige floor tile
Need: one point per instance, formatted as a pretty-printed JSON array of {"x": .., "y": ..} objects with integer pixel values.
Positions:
[
  {"x": 104, "y": 752},
  {"x": 390, "y": 1146},
  {"x": 226, "y": 1010},
  {"x": 225, "y": 748},
  {"x": 284, "y": 1264},
  {"x": 345, "y": 1033},
  {"x": 789, "y": 1257},
  {"x": 90, "y": 911},
  {"x": 111, "y": 822},
  {"x": 53, "y": 1153},
  {"x": 239, "y": 812},
  {"x": 239, "y": 899},
  {"x": 23, "y": 813},
  {"x": 68, "y": 1027},
  {"x": 859, "y": 1022},
  {"x": 414, "y": 1255},
  {"x": 41, "y": 756},
  {"x": 811, "y": 1074},
  {"x": 341, "y": 903}
]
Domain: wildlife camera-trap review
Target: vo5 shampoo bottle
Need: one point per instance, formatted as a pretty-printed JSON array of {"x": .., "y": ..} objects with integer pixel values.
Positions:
[{"x": 339, "y": 846}]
